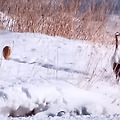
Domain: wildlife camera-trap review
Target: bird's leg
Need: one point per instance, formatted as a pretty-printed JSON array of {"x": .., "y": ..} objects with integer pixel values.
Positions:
[
  {"x": 118, "y": 77},
  {"x": 117, "y": 80}
]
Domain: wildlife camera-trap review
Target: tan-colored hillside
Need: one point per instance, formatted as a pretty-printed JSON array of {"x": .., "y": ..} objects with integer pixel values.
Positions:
[{"x": 60, "y": 18}]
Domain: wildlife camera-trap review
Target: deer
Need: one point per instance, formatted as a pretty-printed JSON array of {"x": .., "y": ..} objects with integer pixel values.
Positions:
[{"x": 7, "y": 52}]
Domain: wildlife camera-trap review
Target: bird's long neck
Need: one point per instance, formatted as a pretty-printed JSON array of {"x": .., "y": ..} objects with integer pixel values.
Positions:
[{"x": 116, "y": 38}]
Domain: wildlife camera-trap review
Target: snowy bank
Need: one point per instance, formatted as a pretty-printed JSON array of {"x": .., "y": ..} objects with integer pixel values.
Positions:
[{"x": 53, "y": 76}]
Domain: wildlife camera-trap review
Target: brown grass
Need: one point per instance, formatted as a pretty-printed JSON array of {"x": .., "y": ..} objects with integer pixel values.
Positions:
[{"x": 58, "y": 18}]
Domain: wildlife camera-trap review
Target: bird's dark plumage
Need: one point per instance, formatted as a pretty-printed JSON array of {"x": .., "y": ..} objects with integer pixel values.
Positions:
[{"x": 116, "y": 68}]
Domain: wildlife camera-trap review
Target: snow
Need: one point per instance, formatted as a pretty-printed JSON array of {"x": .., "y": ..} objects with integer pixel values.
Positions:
[{"x": 54, "y": 76}]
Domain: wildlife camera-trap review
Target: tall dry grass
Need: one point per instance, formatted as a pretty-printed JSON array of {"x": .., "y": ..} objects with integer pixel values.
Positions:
[
  {"x": 92, "y": 24},
  {"x": 60, "y": 17}
]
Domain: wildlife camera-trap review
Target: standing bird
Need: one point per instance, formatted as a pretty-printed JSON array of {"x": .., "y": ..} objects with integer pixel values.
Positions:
[
  {"x": 6, "y": 52},
  {"x": 116, "y": 59}
]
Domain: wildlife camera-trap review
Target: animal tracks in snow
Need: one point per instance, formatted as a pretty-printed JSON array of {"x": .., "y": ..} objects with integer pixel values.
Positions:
[{"x": 50, "y": 66}]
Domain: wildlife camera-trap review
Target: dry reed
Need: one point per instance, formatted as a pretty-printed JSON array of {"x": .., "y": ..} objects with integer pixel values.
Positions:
[{"x": 60, "y": 18}]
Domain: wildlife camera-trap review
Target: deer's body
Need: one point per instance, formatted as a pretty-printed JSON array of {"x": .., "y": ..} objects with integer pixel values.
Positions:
[{"x": 6, "y": 52}]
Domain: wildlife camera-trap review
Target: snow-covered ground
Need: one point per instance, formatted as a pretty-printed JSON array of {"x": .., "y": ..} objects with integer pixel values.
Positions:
[{"x": 54, "y": 76}]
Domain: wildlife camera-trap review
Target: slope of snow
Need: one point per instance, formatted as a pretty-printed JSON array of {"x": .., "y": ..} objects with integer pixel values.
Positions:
[{"x": 53, "y": 76}]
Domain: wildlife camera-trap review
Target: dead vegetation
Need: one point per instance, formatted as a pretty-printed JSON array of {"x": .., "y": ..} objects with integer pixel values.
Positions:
[{"x": 79, "y": 19}]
